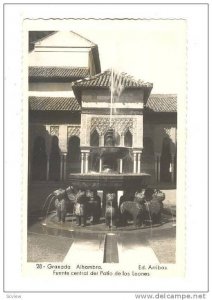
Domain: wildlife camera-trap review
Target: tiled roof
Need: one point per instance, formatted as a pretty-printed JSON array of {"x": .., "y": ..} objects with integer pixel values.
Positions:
[
  {"x": 156, "y": 103},
  {"x": 104, "y": 80},
  {"x": 58, "y": 72},
  {"x": 53, "y": 103},
  {"x": 162, "y": 103}
]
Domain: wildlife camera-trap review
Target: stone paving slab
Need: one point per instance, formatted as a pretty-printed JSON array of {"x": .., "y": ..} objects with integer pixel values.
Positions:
[
  {"x": 86, "y": 251},
  {"x": 165, "y": 249},
  {"x": 137, "y": 250},
  {"x": 137, "y": 254}
]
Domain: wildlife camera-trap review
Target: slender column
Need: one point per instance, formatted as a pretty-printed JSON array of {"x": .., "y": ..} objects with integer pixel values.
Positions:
[
  {"x": 82, "y": 162},
  {"x": 100, "y": 165},
  {"x": 139, "y": 163},
  {"x": 134, "y": 162},
  {"x": 47, "y": 168},
  {"x": 121, "y": 166},
  {"x": 159, "y": 167},
  {"x": 61, "y": 167},
  {"x": 86, "y": 162},
  {"x": 172, "y": 169},
  {"x": 64, "y": 166},
  {"x": 156, "y": 168}
]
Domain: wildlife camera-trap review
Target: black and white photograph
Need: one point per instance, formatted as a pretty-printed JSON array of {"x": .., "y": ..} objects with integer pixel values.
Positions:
[{"x": 102, "y": 142}]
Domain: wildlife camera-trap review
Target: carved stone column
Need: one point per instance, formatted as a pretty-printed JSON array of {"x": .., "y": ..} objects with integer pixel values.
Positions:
[
  {"x": 82, "y": 162},
  {"x": 172, "y": 168},
  {"x": 61, "y": 167},
  {"x": 134, "y": 162},
  {"x": 159, "y": 156},
  {"x": 121, "y": 166},
  {"x": 139, "y": 163},
  {"x": 86, "y": 162},
  {"x": 156, "y": 167},
  {"x": 64, "y": 165},
  {"x": 47, "y": 167},
  {"x": 100, "y": 165}
]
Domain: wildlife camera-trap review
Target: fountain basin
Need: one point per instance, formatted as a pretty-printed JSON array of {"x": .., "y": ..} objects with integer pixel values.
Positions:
[{"x": 108, "y": 181}]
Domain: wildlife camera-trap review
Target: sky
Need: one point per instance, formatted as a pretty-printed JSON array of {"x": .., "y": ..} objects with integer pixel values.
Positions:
[
  {"x": 151, "y": 50},
  {"x": 154, "y": 51}
]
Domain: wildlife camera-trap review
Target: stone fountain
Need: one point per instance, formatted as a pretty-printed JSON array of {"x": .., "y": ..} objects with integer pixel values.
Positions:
[{"x": 106, "y": 117}]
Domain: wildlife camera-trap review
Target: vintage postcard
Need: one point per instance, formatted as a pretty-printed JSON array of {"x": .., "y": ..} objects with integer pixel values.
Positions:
[
  {"x": 105, "y": 150},
  {"x": 104, "y": 111}
]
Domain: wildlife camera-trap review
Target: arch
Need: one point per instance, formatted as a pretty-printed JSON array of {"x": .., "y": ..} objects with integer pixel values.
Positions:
[
  {"x": 94, "y": 138},
  {"x": 73, "y": 155},
  {"x": 128, "y": 139},
  {"x": 148, "y": 147},
  {"x": 54, "y": 159},
  {"x": 39, "y": 159},
  {"x": 165, "y": 161}
]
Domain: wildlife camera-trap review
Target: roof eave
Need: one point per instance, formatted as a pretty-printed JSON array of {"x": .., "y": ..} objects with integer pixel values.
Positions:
[
  {"x": 73, "y": 111},
  {"x": 78, "y": 91},
  {"x": 148, "y": 110}
]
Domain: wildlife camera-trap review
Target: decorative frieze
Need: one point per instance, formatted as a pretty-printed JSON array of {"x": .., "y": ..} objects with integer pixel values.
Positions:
[
  {"x": 171, "y": 133},
  {"x": 121, "y": 125},
  {"x": 54, "y": 130},
  {"x": 73, "y": 130}
]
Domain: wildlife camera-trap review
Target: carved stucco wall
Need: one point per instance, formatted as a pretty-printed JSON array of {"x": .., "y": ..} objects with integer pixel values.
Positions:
[
  {"x": 73, "y": 130},
  {"x": 120, "y": 123},
  {"x": 54, "y": 130}
]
